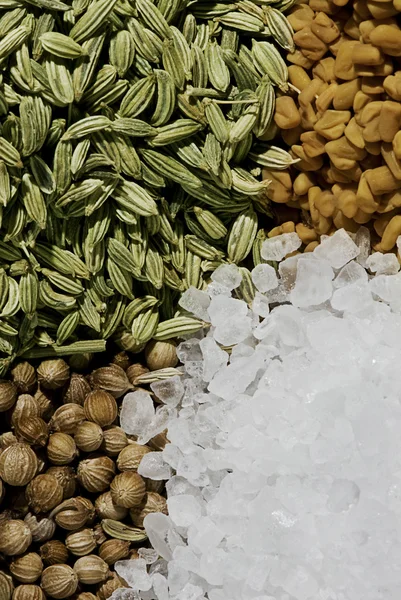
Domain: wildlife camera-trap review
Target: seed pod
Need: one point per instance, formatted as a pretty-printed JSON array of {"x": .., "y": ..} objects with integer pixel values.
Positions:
[
  {"x": 106, "y": 509},
  {"x": 91, "y": 569},
  {"x": 61, "y": 449},
  {"x": 85, "y": 596},
  {"x": 8, "y": 395},
  {"x": 59, "y": 581},
  {"x": 6, "y": 586},
  {"x": 106, "y": 589},
  {"x": 32, "y": 430},
  {"x": 66, "y": 477},
  {"x": 27, "y": 568},
  {"x": 43, "y": 493},
  {"x": 53, "y": 374},
  {"x": 67, "y": 418},
  {"x": 112, "y": 379},
  {"x": 54, "y": 553},
  {"x": 114, "y": 440},
  {"x": 24, "y": 377},
  {"x": 76, "y": 390},
  {"x": 100, "y": 407},
  {"x": 25, "y": 408},
  {"x": 41, "y": 529},
  {"x": 113, "y": 550},
  {"x": 18, "y": 464},
  {"x": 15, "y": 537},
  {"x": 28, "y": 592},
  {"x": 81, "y": 543},
  {"x": 160, "y": 355},
  {"x": 130, "y": 457},
  {"x": 127, "y": 489},
  {"x": 136, "y": 370},
  {"x": 152, "y": 503},
  {"x": 74, "y": 513},
  {"x": 96, "y": 474},
  {"x": 88, "y": 436}
]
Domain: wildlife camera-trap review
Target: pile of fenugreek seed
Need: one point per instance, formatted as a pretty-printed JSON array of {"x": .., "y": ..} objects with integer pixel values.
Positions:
[
  {"x": 344, "y": 123},
  {"x": 129, "y": 152},
  {"x": 72, "y": 502}
]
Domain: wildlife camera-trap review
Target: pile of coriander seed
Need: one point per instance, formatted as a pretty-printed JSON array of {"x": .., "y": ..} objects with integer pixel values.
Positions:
[{"x": 72, "y": 503}]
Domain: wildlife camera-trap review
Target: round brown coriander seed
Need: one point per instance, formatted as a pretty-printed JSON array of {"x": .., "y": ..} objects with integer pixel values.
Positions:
[
  {"x": 24, "y": 377},
  {"x": 106, "y": 509},
  {"x": 15, "y": 537},
  {"x": 127, "y": 489},
  {"x": 43, "y": 493},
  {"x": 130, "y": 456},
  {"x": 66, "y": 477},
  {"x": 96, "y": 474},
  {"x": 8, "y": 395},
  {"x": 6, "y": 586},
  {"x": 59, "y": 581},
  {"x": 32, "y": 430},
  {"x": 76, "y": 390},
  {"x": 27, "y": 568},
  {"x": 91, "y": 569},
  {"x": 67, "y": 418},
  {"x": 53, "y": 374},
  {"x": 61, "y": 449},
  {"x": 54, "y": 552},
  {"x": 113, "y": 550},
  {"x": 88, "y": 436},
  {"x": 114, "y": 440},
  {"x": 18, "y": 464},
  {"x": 100, "y": 407},
  {"x": 41, "y": 529},
  {"x": 81, "y": 542},
  {"x": 160, "y": 355},
  {"x": 28, "y": 592}
]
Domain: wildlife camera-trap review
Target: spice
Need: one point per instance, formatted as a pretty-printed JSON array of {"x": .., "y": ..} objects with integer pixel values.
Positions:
[
  {"x": 32, "y": 430},
  {"x": 67, "y": 418},
  {"x": 8, "y": 395},
  {"x": 61, "y": 449},
  {"x": 113, "y": 550},
  {"x": 42, "y": 529},
  {"x": 24, "y": 377},
  {"x": 91, "y": 569},
  {"x": 106, "y": 508},
  {"x": 95, "y": 474},
  {"x": 15, "y": 537},
  {"x": 88, "y": 436},
  {"x": 127, "y": 489},
  {"x": 53, "y": 374},
  {"x": 43, "y": 493},
  {"x": 131, "y": 456},
  {"x": 18, "y": 464},
  {"x": 160, "y": 355},
  {"x": 114, "y": 440},
  {"x": 59, "y": 581},
  {"x": 81, "y": 543},
  {"x": 28, "y": 592},
  {"x": 6, "y": 586},
  {"x": 66, "y": 477},
  {"x": 112, "y": 379},
  {"x": 27, "y": 568},
  {"x": 54, "y": 552},
  {"x": 100, "y": 407}
]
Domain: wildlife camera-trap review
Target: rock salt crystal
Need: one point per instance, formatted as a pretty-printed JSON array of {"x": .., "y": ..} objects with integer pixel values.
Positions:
[{"x": 284, "y": 468}]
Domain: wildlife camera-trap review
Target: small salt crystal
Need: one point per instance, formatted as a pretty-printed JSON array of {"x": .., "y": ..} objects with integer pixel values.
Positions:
[
  {"x": 213, "y": 358},
  {"x": 169, "y": 391},
  {"x": 276, "y": 248},
  {"x": 195, "y": 302},
  {"x": 183, "y": 510},
  {"x": 264, "y": 277},
  {"x": 338, "y": 249},
  {"x": 134, "y": 573},
  {"x": 222, "y": 308},
  {"x": 160, "y": 586},
  {"x": 260, "y": 305},
  {"x": 149, "y": 555},
  {"x": 351, "y": 273},
  {"x": 137, "y": 412},
  {"x": 362, "y": 240},
  {"x": 227, "y": 275},
  {"x": 383, "y": 264},
  {"x": 313, "y": 284},
  {"x": 153, "y": 466}
]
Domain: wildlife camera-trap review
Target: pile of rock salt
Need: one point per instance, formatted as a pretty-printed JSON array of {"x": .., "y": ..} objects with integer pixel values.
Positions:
[{"x": 284, "y": 467}]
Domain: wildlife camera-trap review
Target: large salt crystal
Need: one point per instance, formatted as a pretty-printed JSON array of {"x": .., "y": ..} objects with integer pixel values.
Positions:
[
  {"x": 283, "y": 467},
  {"x": 276, "y": 248},
  {"x": 196, "y": 302},
  {"x": 338, "y": 249}
]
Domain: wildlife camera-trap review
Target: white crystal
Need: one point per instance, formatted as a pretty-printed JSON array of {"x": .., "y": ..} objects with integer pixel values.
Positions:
[
  {"x": 196, "y": 302},
  {"x": 213, "y": 357},
  {"x": 313, "y": 283},
  {"x": 264, "y": 277},
  {"x": 184, "y": 510},
  {"x": 222, "y": 308},
  {"x": 260, "y": 305},
  {"x": 169, "y": 391},
  {"x": 227, "y": 275},
  {"x": 276, "y": 248},
  {"x": 134, "y": 573},
  {"x": 362, "y": 240},
  {"x": 383, "y": 264},
  {"x": 137, "y": 412},
  {"x": 153, "y": 466},
  {"x": 338, "y": 249}
]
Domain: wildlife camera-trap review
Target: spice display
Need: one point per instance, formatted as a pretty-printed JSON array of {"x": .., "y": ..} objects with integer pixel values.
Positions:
[{"x": 71, "y": 500}]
